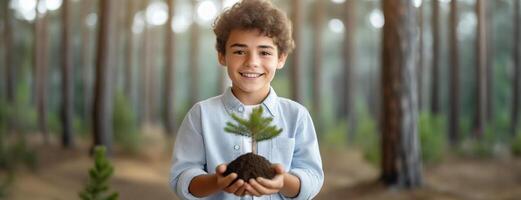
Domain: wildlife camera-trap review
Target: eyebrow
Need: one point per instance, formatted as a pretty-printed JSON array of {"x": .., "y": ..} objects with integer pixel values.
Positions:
[{"x": 244, "y": 46}]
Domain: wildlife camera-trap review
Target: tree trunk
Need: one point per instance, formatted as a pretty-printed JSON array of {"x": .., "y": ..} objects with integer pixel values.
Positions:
[
  {"x": 169, "y": 85},
  {"x": 481, "y": 53},
  {"x": 102, "y": 116},
  {"x": 144, "y": 69},
  {"x": 318, "y": 23},
  {"x": 67, "y": 80},
  {"x": 401, "y": 161},
  {"x": 85, "y": 61},
  {"x": 349, "y": 63},
  {"x": 516, "y": 84},
  {"x": 490, "y": 61},
  {"x": 454, "y": 75},
  {"x": 435, "y": 80},
  {"x": 421, "y": 59},
  {"x": 194, "y": 57},
  {"x": 40, "y": 79},
  {"x": 295, "y": 71},
  {"x": 128, "y": 50},
  {"x": 10, "y": 68}
]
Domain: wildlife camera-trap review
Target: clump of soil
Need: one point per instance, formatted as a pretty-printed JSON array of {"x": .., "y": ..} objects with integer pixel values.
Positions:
[{"x": 248, "y": 166}]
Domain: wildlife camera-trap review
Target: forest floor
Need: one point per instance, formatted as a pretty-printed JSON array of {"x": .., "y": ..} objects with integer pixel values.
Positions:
[{"x": 61, "y": 174}]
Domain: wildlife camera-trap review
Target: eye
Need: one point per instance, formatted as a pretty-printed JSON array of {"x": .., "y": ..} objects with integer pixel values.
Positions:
[
  {"x": 265, "y": 53},
  {"x": 239, "y": 52}
]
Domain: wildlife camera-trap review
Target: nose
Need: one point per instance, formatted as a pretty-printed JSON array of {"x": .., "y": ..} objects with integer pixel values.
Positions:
[{"x": 252, "y": 60}]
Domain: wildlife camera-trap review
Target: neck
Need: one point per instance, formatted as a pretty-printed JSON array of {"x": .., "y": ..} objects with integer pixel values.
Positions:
[{"x": 250, "y": 98}]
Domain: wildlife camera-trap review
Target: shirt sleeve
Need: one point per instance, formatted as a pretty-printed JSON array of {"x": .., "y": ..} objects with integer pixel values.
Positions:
[
  {"x": 307, "y": 163},
  {"x": 189, "y": 155}
]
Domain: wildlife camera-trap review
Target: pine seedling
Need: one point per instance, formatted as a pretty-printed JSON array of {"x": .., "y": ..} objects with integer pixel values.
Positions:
[
  {"x": 98, "y": 184},
  {"x": 257, "y": 127}
]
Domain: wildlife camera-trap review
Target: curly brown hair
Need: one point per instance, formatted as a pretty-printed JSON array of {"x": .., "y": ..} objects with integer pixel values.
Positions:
[{"x": 261, "y": 15}]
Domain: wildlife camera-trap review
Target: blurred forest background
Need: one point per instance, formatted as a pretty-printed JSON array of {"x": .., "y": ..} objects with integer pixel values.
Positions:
[{"x": 411, "y": 99}]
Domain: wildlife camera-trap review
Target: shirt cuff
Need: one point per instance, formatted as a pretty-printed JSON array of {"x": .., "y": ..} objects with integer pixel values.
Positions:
[
  {"x": 184, "y": 182},
  {"x": 309, "y": 184}
]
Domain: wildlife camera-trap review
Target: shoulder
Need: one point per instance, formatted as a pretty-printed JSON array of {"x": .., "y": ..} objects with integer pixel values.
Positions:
[
  {"x": 293, "y": 108},
  {"x": 207, "y": 104}
]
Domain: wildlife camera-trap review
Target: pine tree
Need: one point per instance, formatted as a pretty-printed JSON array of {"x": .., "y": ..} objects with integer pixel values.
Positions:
[
  {"x": 257, "y": 127},
  {"x": 98, "y": 184}
]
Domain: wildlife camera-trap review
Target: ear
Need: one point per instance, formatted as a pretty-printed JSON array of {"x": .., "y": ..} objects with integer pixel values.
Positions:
[
  {"x": 222, "y": 59},
  {"x": 282, "y": 60}
]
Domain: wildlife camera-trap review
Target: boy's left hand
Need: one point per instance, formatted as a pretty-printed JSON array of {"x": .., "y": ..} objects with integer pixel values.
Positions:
[{"x": 262, "y": 186}]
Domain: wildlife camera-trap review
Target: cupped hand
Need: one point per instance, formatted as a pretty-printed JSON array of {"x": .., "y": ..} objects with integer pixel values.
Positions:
[
  {"x": 225, "y": 182},
  {"x": 262, "y": 186}
]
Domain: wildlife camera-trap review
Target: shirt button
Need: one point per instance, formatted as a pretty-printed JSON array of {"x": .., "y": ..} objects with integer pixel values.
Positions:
[
  {"x": 236, "y": 147},
  {"x": 241, "y": 109}
]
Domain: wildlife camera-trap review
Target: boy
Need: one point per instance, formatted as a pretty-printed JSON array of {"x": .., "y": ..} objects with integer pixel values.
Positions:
[{"x": 253, "y": 41}]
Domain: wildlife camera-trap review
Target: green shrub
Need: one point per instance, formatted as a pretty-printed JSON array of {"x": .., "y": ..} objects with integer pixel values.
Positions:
[
  {"x": 99, "y": 176},
  {"x": 13, "y": 153},
  {"x": 335, "y": 135},
  {"x": 516, "y": 145},
  {"x": 54, "y": 122},
  {"x": 6, "y": 180},
  {"x": 367, "y": 138},
  {"x": 125, "y": 125},
  {"x": 479, "y": 147},
  {"x": 432, "y": 137},
  {"x": 22, "y": 111}
]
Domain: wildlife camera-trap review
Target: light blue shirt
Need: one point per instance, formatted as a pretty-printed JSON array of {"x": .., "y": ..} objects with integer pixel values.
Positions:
[{"x": 202, "y": 144}]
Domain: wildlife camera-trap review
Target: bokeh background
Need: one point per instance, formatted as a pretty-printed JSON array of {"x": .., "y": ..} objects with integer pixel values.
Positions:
[{"x": 411, "y": 99}]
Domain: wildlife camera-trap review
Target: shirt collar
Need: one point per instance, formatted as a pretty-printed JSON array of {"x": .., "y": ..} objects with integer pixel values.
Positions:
[{"x": 232, "y": 104}]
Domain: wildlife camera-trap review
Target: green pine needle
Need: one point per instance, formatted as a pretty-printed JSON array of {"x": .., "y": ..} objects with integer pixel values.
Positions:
[
  {"x": 256, "y": 127},
  {"x": 99, "y": 177}
]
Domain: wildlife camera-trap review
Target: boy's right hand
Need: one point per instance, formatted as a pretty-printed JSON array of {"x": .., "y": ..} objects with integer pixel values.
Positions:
[{"x": 223, "y": 182}]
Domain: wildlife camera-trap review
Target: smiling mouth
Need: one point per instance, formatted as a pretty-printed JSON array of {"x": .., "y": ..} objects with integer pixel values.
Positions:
[{"x": 250, "y": 75}]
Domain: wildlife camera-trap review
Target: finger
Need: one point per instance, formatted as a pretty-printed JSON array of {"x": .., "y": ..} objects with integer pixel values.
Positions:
[
  {"x": 235, "y": 186},
  {"x": 231, "y": 177},
  {"x": 241, "y": 190},
  {"x": 251, "y": 191},
  {"x": 225, "y": 182},
  {"x": 276, "y": 182},
  {"x": 260, "y": 188},
  {"x": 279, "y": 169},
  {"x": 220, "y": 168}
]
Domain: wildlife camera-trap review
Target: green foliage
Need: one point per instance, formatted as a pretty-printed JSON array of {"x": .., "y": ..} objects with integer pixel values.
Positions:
[
  {"x": 13, "y": 153},
  {"x": 6, "y": 181},
  {"x": 367, "y": 138},
  {"x": 257, "y": 127},
  {"x": 480, "y": 147},
  {"x": 516, "y": 145},
  {"x": 81, "y": 127},
  {"x": 24, "y": 111},
  {"x": 99, "y": 176},
  {"x": 125, "y": 124},
  {"x": 54, "y": 122},
  {"x": 4, "y": 113},
  {"x": 336, "y": 134},
  {"x": 21, "y": 113},
  {"x": 432, "y": 137}
]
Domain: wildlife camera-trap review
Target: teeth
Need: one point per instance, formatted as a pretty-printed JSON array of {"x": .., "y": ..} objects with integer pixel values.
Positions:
[{"x": 251, "y": 75}]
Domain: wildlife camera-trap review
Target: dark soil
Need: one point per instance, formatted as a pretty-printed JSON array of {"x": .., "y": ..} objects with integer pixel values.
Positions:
[{"x": 248, "y": 166}]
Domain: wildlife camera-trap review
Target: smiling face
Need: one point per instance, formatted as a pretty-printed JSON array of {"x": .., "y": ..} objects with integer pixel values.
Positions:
[{"x": 252, "y": 60}]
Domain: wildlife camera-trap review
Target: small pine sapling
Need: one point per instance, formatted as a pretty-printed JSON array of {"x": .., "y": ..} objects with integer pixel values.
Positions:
[
  {"x": 99, "y": 175},
  {"x": 258, "y": 128}
]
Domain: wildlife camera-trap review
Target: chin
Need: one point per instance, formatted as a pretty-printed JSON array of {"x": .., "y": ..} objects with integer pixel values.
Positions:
[{"x": 251, "y": 89}]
